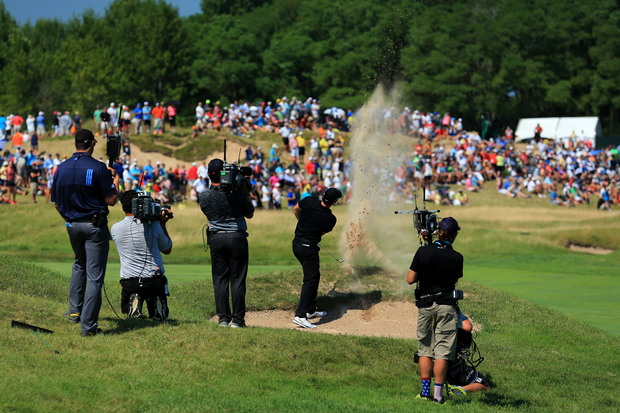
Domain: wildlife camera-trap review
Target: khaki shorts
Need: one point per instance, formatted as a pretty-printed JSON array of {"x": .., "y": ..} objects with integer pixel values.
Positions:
[
  {"x": 34, "y": 187},
  {"x": 437, "y": 332}
]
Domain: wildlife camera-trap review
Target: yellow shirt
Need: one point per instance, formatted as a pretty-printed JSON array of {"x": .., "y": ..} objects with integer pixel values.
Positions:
[{"x": 301, "y": 142}]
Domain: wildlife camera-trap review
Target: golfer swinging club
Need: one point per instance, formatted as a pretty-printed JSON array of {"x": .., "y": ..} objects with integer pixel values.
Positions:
[{"x": 314, "y": 219}]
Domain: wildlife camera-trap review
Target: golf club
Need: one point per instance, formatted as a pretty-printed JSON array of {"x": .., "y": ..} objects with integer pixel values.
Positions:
[{"x": 340, "y": 261}]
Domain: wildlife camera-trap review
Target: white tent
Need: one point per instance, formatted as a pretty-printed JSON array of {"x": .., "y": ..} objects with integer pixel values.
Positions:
[
  {"x": 560, "y": 128},
  {"x": 588, "y": 126},
  {"x": 525, "y": 128}
]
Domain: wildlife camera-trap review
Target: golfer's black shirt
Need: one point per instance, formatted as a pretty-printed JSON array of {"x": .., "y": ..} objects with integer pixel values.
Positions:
[
  {"x": 314, "y": 221},
  {"x": 437, "y": 267}
]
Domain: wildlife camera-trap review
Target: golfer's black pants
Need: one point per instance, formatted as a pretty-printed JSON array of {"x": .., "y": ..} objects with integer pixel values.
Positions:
[
  {"x": 229, "y": 267},
  {"x": 147, "y": 288},
  {"x": 308, "y": 256}
]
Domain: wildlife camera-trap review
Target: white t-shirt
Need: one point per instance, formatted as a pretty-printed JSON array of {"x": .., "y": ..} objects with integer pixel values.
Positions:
[
  {"x": 200, "y": 112},
  {"x": 113, "y": 112},
  {"x": 30, "y": 125},
  {"x": 277, "y": 196},
  {"x": 265, "y": 194}
]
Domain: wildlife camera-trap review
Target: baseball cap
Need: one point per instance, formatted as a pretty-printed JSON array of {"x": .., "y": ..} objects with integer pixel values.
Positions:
[
  {"x": 449, "y": 225},
  {"x": 332, "y": 195},
  {"x": 84, "y": 136},
  {"x": 215, "y": 166}
]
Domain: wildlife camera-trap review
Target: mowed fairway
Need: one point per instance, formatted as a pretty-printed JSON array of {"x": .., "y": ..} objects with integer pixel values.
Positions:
[{"x": 514, "y": 245}]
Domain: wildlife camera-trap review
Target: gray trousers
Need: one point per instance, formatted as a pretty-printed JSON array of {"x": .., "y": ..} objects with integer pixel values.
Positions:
[{"x": 90, "y": 245}]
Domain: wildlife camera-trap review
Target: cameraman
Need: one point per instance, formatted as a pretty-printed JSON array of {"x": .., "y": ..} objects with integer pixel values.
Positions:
[
  {"x": 226, "y": 211},
  {"x": 437, "y": 268},
  {"x": 140, "y": 244},
  {"x": 83, "y": 189}
]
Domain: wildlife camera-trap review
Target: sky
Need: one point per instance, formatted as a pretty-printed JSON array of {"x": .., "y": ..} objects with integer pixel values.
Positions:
[{"x": 23, "y": 10}]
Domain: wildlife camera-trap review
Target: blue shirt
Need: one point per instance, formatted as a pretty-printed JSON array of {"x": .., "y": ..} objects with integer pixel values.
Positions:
[
  {"x": 137, "y": 113},
  {"x": 80, "y": 187},
  {"x": 146, "y": 112},
  {"x": 40, "y": 120},
  {"x": 2, "y": 123},
  {"x": 49, "y": 163}
]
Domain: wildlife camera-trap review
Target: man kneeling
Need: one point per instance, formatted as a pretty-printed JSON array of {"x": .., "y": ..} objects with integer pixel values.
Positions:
[{"x": 140, "y": 244}]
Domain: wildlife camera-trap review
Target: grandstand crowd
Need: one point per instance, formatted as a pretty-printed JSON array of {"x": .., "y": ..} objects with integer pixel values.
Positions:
[{"x": 444, "y": 155}]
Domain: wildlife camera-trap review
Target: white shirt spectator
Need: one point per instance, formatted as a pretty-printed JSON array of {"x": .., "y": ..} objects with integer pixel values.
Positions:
[{"x": 200, "y": 112}]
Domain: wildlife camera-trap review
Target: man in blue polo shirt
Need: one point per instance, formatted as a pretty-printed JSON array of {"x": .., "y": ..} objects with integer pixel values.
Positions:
[
  {"x": 146, "y": 115},
  {"x": 137, "y": 113},
  {"x": 83, "y": 189}
]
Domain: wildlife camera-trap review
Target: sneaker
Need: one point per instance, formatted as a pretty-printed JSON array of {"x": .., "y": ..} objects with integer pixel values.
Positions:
[
  {"x": 454, "y": 391},
  {"x": 223, "y": 324},
  {"x": 442, "y": 401},
  {"x": 74, "y": 318},
  {"x": 303, "y": 322},
  {"x": 425, "y": 398},
  {"x": 97, "y": 332},
  {"x": 237, "y": 325},
  {"x": 135, "y": 306},
  {"x": 160, "y": 310},
  {"x": 317, "y": 314}
]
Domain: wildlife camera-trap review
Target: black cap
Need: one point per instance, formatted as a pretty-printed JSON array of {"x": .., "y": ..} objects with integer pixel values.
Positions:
[
  {"x": 449, "y": 225},
  {"x": 331, "y": 195},
  {"x": 215, "y": 167},
  {"x": 84, "y": 136}
]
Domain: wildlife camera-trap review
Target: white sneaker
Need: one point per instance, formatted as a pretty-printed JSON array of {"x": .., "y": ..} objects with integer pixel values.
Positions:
[
  {"x": 303, "y": 322},
  {"x": 316, "y": 314}
]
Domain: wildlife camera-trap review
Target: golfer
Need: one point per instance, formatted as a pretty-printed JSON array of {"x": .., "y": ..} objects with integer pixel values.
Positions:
[
  {"x": 314, "y": 219},
  {"x": 437, "y": 268}
]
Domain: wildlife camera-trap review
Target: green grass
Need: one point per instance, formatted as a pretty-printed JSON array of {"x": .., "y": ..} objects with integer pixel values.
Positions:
[
  {"x": 536, "y": 359},
  {"x": 176, "y": 273}
]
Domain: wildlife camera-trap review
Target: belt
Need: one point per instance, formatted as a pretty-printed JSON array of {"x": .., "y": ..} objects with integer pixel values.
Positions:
[
  {"x": 226, "y": 232},
  {"x": 89, "y": 219}
]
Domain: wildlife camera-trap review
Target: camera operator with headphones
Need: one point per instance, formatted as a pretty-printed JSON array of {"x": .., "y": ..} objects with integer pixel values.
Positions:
[
  {"x": 83, "y": 189},
  {"x": 226, "y": 208},
  {"x": 436, "y": 268},
  {"x": 140, "y": 243}
]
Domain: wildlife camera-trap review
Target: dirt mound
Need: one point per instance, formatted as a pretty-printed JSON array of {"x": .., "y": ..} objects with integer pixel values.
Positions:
[{"x": 573, "y": 246}]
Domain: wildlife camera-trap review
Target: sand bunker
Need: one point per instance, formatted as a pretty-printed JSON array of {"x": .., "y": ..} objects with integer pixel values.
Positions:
[
  {"x": 588, "y": 249},
  {"x": 384, "y": 319}
]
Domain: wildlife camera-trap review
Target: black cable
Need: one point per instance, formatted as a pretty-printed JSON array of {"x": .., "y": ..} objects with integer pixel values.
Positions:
[{"x": 106, "y": 297}]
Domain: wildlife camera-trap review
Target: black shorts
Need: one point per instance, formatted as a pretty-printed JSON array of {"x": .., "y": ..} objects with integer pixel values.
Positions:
[
  {"x": 499, "y": 169},
  {"x": 147, "y": 122},
  {"x": 127, "y": 122},
  {"x": 302, "y": 150},
  {"x": 10, "y": 184},
  {"x": 285, "y": 141},
  {"x": 461, "y": 375},
  {"x": 173, "y": 120}
]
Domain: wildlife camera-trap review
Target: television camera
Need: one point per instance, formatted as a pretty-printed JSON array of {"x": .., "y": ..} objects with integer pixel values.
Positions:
[
  {"x": 425, "y": 221},
  {"x": 234, "y": 177},
  {"x": 146, "y": 208}
]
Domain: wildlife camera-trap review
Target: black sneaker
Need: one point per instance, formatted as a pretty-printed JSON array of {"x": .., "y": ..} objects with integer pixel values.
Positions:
[
  {"x": 135, "y": 306},
  {"x": 74, "y": 318},
  {"x": 426, "y": 398},
  {"x": 97, "y": 332},
  {"x": 442, "y": 401}
]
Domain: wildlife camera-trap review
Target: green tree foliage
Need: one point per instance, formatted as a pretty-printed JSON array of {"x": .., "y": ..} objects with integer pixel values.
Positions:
[{"x": 499, "y": 59}]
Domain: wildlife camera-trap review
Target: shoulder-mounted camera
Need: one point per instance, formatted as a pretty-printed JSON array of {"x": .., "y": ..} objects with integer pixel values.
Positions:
[
  {"x": 424, "y": 221},
  {"x": 145, "y": 208},
  {"x": 233, "y": 177}
]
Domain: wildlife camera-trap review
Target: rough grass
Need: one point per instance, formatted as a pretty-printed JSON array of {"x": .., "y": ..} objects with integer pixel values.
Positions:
[{"x": 536, "y": 359}]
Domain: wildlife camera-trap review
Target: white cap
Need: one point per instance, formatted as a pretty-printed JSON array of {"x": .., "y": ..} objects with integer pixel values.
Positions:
[
  {"x": 112, "y": 104},
  {"x": 301, "y": 133},
  {"x": 193, "y": 163},
  {"x": 277, "y": 184},
  {"x": 258, "y": 149},
  {"x": 274, "y": 145},
  {"x": 41, "y": 113},
  {"x": 146, "y": 103},
  {"x": 158, "y": 162}
]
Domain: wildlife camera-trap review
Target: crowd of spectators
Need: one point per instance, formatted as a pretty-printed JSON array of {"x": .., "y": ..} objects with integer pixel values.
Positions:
[
  {"x": 567, "y": 173},
  {"x": 444, "y": 155}
]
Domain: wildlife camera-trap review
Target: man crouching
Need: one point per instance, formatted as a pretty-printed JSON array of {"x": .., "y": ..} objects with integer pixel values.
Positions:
[{"x": 140, "y": 244}]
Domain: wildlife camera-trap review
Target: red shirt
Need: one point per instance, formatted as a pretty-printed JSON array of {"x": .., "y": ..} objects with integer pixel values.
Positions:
[
  {"x": 192, "y": 173},
  {"x": 17, "y": 120}
]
